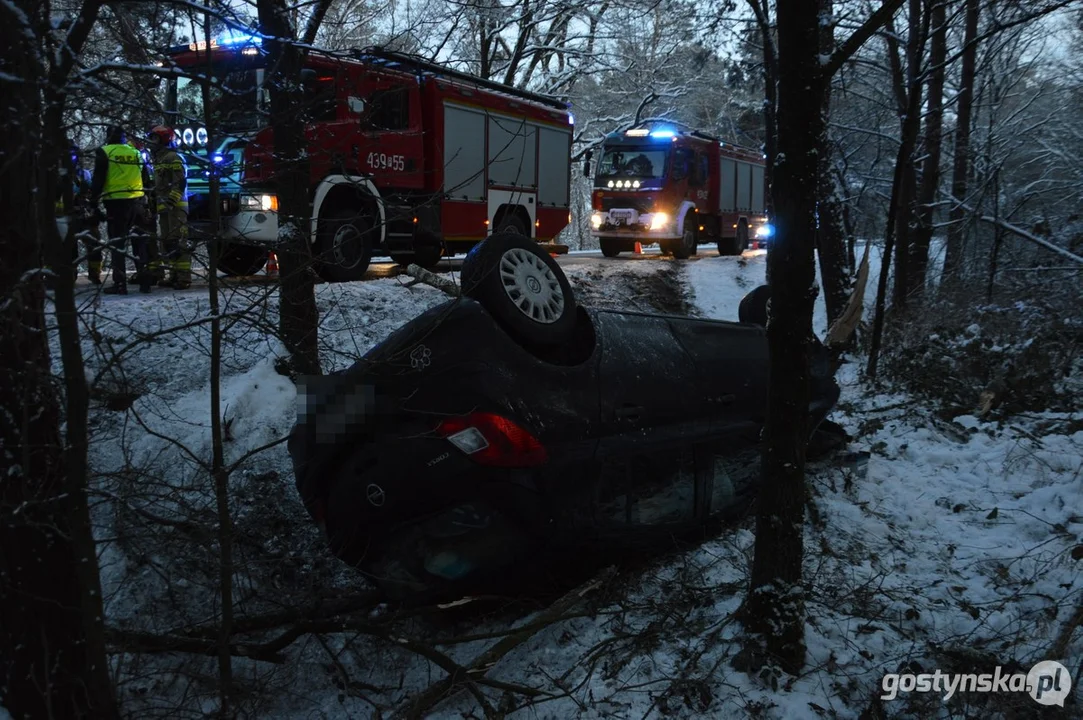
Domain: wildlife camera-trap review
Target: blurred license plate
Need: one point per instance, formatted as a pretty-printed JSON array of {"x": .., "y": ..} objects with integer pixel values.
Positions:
[{"x": 622, "y": 216}]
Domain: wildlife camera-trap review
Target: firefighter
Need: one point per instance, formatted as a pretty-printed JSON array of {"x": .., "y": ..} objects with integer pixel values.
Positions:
[
  {"x": 171, "y": 198},
  {"x": 118, "y": 184}
]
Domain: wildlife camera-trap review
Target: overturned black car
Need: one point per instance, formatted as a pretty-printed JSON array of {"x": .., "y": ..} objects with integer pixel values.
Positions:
[{"x": 509, "y": 430}]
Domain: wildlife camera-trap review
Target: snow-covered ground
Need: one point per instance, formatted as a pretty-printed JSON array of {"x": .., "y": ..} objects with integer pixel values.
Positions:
[{"x": 953, "y": 550}]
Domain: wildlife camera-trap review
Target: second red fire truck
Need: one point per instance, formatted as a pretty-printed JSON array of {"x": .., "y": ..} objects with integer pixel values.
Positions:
[{"x": 678, "y": 189}]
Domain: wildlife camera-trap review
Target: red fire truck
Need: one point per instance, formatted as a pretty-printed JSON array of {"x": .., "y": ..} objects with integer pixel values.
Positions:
[
  {"x": 677, "y": 188},
  {"x": 407, "y": 157}
]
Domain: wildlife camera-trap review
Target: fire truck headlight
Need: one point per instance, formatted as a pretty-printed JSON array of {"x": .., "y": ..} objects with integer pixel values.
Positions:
[
  {"x": 201, "y": 136},
  {"x": 268, "y": 203},
  {"x": 765, "y": 231},
  {"x": 189, "y": 136},
  {"x": 635, "y": 183},
  {"x": 659, "y": 221},
  {"x": 610, "y": 184},
  {"x": 596, "y": 220}
]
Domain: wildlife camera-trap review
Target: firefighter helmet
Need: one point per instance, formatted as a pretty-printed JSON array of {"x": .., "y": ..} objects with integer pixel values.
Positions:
[{"x": 161, "y": 134}]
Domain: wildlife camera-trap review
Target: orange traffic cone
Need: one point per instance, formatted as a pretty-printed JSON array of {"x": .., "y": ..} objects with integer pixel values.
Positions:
[
  {"x": 639, "y": 248},
  {"x": 272, "y": 264}
]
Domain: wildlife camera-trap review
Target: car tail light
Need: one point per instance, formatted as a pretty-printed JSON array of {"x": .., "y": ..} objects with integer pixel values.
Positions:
[{"x": 493, "y": 440}]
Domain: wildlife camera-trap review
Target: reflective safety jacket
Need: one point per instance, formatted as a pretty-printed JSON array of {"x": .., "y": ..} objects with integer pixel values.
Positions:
[
  {"x": 170, "y": 180},
  {"x": 124, "y": 178}
]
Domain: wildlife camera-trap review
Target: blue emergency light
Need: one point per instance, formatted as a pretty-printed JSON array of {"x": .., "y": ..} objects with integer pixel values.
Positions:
[{"x": 232, "y": 38}]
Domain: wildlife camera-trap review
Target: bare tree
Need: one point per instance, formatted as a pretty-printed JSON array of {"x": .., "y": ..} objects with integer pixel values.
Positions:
[
  {"x": 775, "y": 606},
  {"x": 930, "y": 166},
  {"x": 52, "y": 650},
  {"x": 298, "y": 315},
  {"x": 774, "y": 612}
]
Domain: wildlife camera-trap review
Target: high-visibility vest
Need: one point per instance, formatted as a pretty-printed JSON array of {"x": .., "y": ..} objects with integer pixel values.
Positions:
[{"x": 125, "y": 177}]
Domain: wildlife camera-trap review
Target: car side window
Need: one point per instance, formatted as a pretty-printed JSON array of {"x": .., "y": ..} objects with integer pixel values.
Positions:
[
  {"x": 734, "y": 472},
  {"x": 653, "y": 489},
  {"x": 390, "y": 109}
]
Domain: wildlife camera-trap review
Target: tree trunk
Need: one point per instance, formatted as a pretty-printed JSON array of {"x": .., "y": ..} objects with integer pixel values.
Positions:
[
  {"x": 895, "y": 207},
  {"x": 52, "y": 659},
  {"x": 774, "y": 612},
  {"x": 770, "y": 104},
  {"x": 911, "y": 128},
  {"x": 830, "y": 237},
  {"x": 298, "y": 316},
  {"x": 930, "y": 172},
  {"x": 960, "y": 170},
  {"x": 219, "y": 473}
]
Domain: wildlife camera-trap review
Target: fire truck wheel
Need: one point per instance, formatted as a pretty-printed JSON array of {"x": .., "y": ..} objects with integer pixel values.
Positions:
[
  {"x": 241, "y": 259},
  {"x": 742, "y": 236},
  {"x": 610, "y": 247},
  {"x": 343, "y": 245},
  {"x": 729, "y": 246},
  {"x": 522, "y": 287},
  {"x": 682, "y": 249},
  {"x": 512, "y": 224}
]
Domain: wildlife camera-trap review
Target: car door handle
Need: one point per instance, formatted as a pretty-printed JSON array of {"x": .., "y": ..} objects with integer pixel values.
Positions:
[{"x": 629, "y": 412}]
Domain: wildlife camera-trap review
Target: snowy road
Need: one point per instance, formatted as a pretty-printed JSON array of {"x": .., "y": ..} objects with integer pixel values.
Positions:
[{"x": 383, "y": 267}]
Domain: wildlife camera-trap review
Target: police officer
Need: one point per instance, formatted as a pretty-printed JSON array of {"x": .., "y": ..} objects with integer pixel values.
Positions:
[
  {"x": 171, "y": 197},
  {"x": 83, "y": 218},
  {"x": 118, "y": 184}
]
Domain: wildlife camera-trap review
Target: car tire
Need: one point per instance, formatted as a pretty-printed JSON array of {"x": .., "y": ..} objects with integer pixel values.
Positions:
[
  {"x": 610, "y": 247},
  {"x": 753, "y": 307},
  {"x": 344, "y": 241},
  {"x": 522, "y": 287},
  {"x": 682, "y": 249},
  {"x": 241, "y": 260}
]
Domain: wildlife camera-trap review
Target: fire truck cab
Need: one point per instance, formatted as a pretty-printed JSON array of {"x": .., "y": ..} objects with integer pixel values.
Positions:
[
  {"x": 406, "y": 157},
  {"x": 658, "y": 184}
]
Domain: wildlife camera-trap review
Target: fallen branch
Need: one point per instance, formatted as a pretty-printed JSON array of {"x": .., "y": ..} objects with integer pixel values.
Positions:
[
  {"x": 432, "y": 279},
  {"x": 270, "y": 621},
  {"x": 475, "y": 672},
  {"x": 1020, "y": 232}
]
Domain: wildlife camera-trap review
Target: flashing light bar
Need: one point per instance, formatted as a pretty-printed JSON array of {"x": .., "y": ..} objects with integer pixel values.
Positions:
[
  {"x": 227, "y": 39},
  {"x": 663, "y": 134},
  {"x": 637, "y": 132}
]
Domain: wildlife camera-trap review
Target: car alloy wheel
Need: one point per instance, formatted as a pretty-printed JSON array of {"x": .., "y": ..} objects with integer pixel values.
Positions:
[{"x": 531, "y": 286}]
